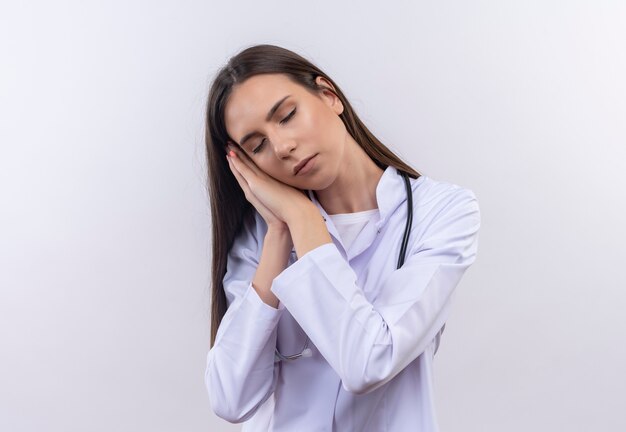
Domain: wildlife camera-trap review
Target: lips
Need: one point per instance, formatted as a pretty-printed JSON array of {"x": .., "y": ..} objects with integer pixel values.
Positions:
[{"x": 301, "y": 164}]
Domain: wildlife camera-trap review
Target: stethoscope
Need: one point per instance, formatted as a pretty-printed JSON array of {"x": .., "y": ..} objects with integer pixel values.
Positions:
[{"x": 306, "y": 351}]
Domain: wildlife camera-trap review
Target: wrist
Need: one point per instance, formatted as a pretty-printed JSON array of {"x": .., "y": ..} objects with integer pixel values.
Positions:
[
  {"x": 277, "y": 231},
  {"x": 308, "y": 229},
  {"x": 279, "y": 235},
  {"x": 302, "y": 213}
]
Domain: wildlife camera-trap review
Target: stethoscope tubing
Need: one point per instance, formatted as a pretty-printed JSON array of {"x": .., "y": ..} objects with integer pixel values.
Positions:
[{"x": 306, "y": 351}]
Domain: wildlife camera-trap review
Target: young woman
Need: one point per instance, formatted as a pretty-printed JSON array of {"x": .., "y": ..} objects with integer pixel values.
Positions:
[{"x": 334, "y": 262}]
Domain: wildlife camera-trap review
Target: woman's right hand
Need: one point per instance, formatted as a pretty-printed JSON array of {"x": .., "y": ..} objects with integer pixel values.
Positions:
[{"x": 273, "y": 223}]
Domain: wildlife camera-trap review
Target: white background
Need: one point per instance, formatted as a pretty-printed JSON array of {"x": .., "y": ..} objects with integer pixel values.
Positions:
[{"x": 104, "y": 221}]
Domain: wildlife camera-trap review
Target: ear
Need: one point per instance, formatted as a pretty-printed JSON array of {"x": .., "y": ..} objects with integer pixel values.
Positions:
[{"x": 328, "y": 95}]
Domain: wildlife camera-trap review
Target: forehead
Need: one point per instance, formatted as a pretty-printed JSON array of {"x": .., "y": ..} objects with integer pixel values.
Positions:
[{"x": 251, "y": 100}]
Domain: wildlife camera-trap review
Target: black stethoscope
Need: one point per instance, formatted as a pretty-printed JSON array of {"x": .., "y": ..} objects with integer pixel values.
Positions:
[{"x": 306, "y": 351}]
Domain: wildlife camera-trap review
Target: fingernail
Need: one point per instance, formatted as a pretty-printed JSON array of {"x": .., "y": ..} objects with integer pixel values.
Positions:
[{"x": 231, "y": 153}]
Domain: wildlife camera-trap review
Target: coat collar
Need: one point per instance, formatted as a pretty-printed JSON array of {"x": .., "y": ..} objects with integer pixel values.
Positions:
[{"x": 390, "y": 193}]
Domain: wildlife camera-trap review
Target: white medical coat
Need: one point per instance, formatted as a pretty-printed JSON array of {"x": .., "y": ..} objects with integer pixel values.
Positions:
[{"x": 373, "y": 329}]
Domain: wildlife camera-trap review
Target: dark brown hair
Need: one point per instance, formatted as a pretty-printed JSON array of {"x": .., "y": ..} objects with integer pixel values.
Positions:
[{"x": 229, "y": 206}]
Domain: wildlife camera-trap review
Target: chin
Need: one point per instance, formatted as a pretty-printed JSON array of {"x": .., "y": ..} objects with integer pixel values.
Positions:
[{"x": 320, "y": 181}]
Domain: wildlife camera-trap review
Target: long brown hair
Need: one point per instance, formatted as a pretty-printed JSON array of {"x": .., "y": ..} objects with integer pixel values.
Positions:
[{"x": 229, "y": 207}]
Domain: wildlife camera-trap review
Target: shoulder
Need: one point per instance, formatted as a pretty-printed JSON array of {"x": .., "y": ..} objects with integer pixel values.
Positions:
[
  {"x": 249, "y": 238},
  {"x": 431, "y": 194},
  {"x": 443, "y": 207},
  {"x": 244, "y": 256},
  {"x": 429, "y": 189}
]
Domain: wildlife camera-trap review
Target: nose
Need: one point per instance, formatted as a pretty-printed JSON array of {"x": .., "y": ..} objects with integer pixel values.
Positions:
[{"x": 283, "y": 146}]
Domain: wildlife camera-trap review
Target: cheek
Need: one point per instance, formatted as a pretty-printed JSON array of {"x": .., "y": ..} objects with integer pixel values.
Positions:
[
  {"x": 321, "y": 125},
  {"x": 271, "y": 168},
  {"x": 305, "y": 128}
]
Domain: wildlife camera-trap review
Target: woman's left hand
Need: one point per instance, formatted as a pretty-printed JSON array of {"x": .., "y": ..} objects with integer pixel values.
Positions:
[{"x": 281, "y": 199}]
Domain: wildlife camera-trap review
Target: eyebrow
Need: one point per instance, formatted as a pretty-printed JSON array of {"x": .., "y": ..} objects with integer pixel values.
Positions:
[{"x": 269, "y": 116}]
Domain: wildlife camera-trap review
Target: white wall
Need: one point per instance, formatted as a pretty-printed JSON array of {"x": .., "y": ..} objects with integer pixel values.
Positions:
[{"x": 104, "y": 222}]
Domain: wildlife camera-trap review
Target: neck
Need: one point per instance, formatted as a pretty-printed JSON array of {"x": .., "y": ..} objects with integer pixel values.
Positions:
[{"x": 354, "y": 189}]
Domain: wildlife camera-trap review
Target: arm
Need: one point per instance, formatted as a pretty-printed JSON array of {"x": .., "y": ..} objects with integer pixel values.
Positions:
[
  {"x": 368, "y": 344},
  {"x": 241, "y": 373},
  {"x": 274, "y": 258},
  {"x": 308, "y": 229}
]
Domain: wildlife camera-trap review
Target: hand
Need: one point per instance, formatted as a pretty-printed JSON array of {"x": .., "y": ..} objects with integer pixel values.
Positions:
[
  {"x": 275, "y": 201},
  {"x": 270, "y": 219}
]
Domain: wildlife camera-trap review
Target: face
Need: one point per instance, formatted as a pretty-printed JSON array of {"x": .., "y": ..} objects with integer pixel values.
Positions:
[{"x": 279, "y": 124}]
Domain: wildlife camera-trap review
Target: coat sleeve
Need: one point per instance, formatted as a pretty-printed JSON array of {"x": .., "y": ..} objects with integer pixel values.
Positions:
[
  {"x": 240, "y": 372},
  {"x": 368, "y": 344}
]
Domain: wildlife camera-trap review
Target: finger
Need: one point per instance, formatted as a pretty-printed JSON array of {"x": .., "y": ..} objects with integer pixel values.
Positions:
[
  {"x": 250, "y": 197},
  {"x": 231, "y": 163},
  {"x": 240, "y": 179},
  {"x": 244, "y": 169},
  {"x": 244, "y": 158}
]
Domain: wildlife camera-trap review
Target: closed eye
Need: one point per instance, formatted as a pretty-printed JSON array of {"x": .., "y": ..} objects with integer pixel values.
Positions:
[{"x": 285, "y": 120}]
